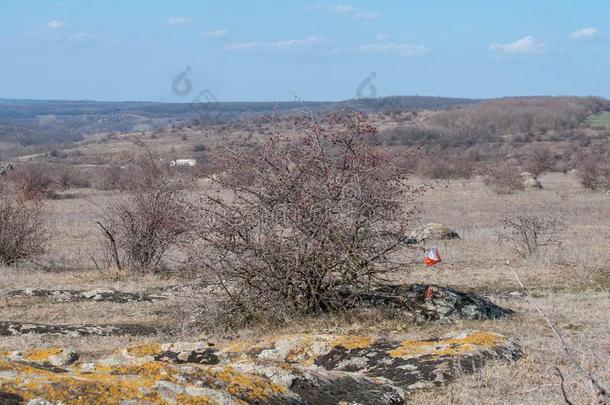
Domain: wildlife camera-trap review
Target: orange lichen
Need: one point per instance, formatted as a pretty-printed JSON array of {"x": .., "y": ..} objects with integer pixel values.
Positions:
[
  {"x": 153, "y": 370},
  {"x": 145, "y": 350},
  {"x": 237, "y": 347},
  {"x": 352, "y": 342},
  {"x": 41, "y": 354},
  {"x": 247, "y": 385},
  {"x": 74, "y": 389},
  {"x": 447, "y": 347}
]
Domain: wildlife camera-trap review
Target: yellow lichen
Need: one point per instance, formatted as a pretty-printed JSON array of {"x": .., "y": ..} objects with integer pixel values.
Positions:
[
  {"x": 247, "y": 385},
  {"x": 352, "y": 342},
  {"x": 41, "y": 354},
  {"x": 145, "y": 350},
  {"x": 446, "y": 347},
  {"x": 76, "y": 389}
]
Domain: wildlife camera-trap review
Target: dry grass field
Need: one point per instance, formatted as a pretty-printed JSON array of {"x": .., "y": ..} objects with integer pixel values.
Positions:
[{"x": 571, "y": 282}]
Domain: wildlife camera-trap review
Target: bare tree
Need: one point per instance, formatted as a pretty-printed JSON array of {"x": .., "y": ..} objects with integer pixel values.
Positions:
[{"x": 300, "y": 224}]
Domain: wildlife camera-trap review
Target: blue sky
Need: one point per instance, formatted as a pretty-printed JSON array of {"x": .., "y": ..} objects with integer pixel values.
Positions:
[{"x": 273, "y": 50}]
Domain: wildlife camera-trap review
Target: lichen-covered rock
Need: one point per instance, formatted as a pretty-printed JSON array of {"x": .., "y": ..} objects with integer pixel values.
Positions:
[
  {"x": 431, "y": 231},
  {"x": 54, "y": 356},
  {"x": 433, "y": 302},
  {"x": 99, "y": 294},
  {"x": 297, "y": 369},
  {"x": 8, "y": 328}
]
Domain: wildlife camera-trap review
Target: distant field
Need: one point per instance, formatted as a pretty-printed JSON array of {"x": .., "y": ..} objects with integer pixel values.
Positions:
[{"x": 601, "y": 119}]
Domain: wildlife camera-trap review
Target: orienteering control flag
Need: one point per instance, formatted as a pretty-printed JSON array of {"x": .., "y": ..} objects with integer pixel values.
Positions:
[{"x": 432, "y": 257}]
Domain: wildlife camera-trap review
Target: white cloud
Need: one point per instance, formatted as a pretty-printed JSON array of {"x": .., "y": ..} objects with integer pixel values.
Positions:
[
  {"x": 585, "y": 33},
  {"x": 528, "y": 44},
  {"x": 82, "y": 36},
  {"x": 381, "y": 37},
  {"x": 402, "y": 49},
  {"x": 215, "y": 33},
  {"x": 55, "y": 24},
  {"x": 344, "y": 9},
  {"x": 179, "y": 21},
  {"x": 279, "y": 45}
]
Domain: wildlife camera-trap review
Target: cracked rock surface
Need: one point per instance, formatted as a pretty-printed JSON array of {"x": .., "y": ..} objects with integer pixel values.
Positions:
[{"x": 298, "y": 369}]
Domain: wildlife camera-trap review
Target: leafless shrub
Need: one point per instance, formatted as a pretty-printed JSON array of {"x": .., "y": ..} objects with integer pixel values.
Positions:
[
  {"x": 437, "y": 167},
  {"x": 528, "y": 233},
  {"x": 305, "y": 221},
  {"x": 68, "y": 176},
  {"x": 23, "y": 232},
  {"x": 504, "y": 178},
  {"x": 32, "y": 180},
  {"x": 594, "y": 170},
  {"x": 539, "y": 159},
  {"x": 110, "y": 178},
  {"x": 149, "y": 217}
]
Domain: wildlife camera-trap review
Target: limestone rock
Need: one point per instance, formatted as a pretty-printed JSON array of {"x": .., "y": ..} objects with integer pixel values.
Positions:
[
  {"x": 54, "y": 356},
  {"x": 8, "y": 328},
  {"x": 432, "y": 231},
  {"x": 99, "y": 294},
  {"x": 293, "y": 369}
]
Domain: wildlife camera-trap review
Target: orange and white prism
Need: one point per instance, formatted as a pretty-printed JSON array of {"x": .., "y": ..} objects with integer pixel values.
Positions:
[{"x": 433, "y": 256}]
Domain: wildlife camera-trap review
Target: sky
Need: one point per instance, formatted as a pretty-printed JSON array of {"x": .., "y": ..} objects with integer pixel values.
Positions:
[{"x": 281, "y": 50}]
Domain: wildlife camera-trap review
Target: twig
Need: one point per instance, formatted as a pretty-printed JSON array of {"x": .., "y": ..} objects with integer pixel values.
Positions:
[
  {"x": 563, "y": 388},
  {"x": 598, "y": 391}
]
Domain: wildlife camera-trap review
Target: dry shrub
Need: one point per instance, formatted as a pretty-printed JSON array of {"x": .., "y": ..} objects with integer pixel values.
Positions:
[
  {"x": 504, "y": 178},
  {"x": 594, "y": 170},
  {"x": 150, "y": 216},
  {"x": 68, "y": 177},
  {"x": 32, "y": 180},
  {"x": 23, "y": 232},
  {"x": 438, "y": 166},
  {"x": 302, "y": 224},
  {"x": 539, "y": 159},
  {"x": 528, "y": 233}
]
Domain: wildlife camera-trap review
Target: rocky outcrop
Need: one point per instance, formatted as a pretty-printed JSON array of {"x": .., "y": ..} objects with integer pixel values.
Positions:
[
  {"x": 99, "y": 294},
  {"x": 431, "y": 231},
  {"x": 297, "y": 369},
  {"x": 530, "y": 181},
  {"x": 433, "y": 303},
  {"x": 8, "y": 328}
]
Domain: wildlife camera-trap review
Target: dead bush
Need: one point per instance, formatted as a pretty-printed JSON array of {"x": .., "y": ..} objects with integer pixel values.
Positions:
[
  {"x": 149, "y": 217},
  {"x": 504, "y": 178},
  {"x": 23, "y": 232},
  {"x": 445, "y": 168},
  {"x": 68, "y": 177},
  {"x": 528, "y": 233},
  {"x": 302, "y": 223},
  {"x": 32, "y": 180},
  {"x": 594, "y": 170}
]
